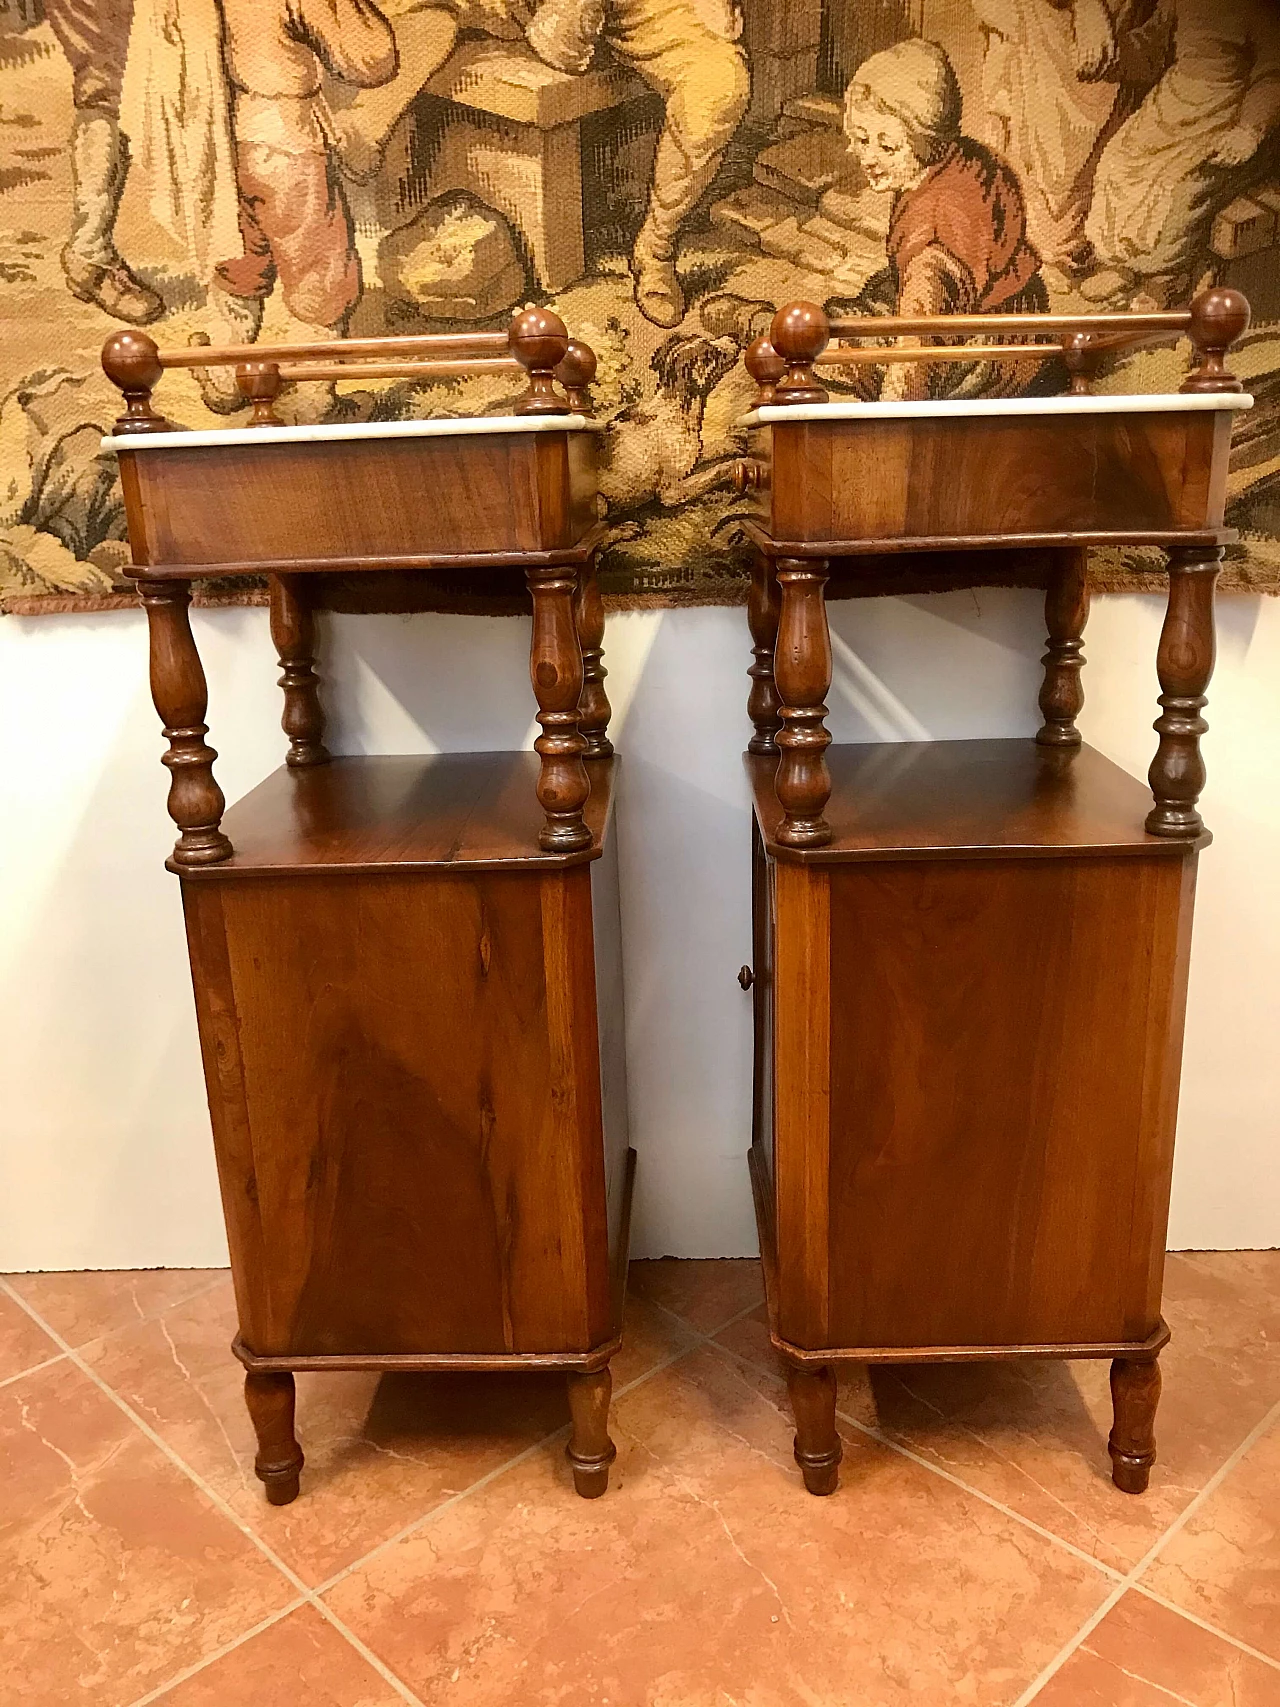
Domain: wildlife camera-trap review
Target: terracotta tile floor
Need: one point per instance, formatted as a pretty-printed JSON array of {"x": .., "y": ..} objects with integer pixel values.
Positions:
[{"x": 976, "y": 1552}]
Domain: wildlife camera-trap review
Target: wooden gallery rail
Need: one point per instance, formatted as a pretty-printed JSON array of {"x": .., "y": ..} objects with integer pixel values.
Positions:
[
  {"x": 971, "y": 956},
  {"x": 406, "y": 969}
]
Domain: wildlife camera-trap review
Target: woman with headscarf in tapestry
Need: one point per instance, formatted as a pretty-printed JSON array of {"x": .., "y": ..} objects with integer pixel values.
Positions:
[{"x": 957, "y": 237}]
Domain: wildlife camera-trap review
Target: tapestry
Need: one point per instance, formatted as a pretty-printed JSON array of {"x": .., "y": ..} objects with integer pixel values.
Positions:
[{"x": 662, "y": 173}]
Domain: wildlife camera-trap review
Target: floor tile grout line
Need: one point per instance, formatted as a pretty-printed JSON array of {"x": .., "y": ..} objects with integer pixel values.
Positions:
[
  {"x": 218, "y": 1274},
  {"x": 1150, "y": 1556},
  {"x": 228, "y": 1511},
  {"x": 34, "y": 1369},
  {"x": 1204, "y": 1624},
  {"x": 194, "y": 1670},
  {"x": 949, "y": 1476}
]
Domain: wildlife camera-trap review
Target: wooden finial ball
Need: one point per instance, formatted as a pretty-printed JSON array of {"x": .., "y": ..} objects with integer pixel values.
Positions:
[
  {"x": 763, "y": 363},
  {"x": 131, "y": 361},
  {"x": 538, "y": 339},
  {"x": 577, "y": 367},
  {"x": 1219, "y": 317},
  {"x": 800, "y": 332}
]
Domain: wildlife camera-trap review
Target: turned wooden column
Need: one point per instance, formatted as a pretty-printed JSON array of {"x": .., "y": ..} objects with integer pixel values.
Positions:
[
  {"x": 1066, "y": 610},
  {"x": 590, "y": 1450},
  {"x": 802, "y": 671},
  {"x": 555, "y": 668},
  {"x": 269, "y": 1399},
  {"x": 1184, "y": 664},
  {"x": 594, "y": 710},
  {"x": 818, "y": 1449},
  {"x": 293, "y": 631},
  {"x": 1135, "y": 1393},
  {"x": 181, "y": 696},
  {"x": 763, "y": 606}
]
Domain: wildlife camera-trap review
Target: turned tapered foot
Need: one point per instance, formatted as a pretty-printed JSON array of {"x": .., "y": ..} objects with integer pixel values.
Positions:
[
  {"x": 278, "y": 1465},
  {"x": 590, "y": 1451},
  {"x": 818, "y": 1449},
  {"x": 1135, "y": 1393}
]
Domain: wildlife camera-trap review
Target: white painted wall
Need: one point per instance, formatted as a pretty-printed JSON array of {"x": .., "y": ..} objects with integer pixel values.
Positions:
[{"x": 104, "y": 1147}]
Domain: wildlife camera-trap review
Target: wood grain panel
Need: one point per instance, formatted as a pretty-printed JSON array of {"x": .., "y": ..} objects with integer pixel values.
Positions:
[
  {"x": 356, "y": 499},
  {"x": 1025, "y": 475},
  {"x": 802, "y": 1098},
  {"x": 406, "y": 1095},
  {"x": 1002, "y": 1098}
]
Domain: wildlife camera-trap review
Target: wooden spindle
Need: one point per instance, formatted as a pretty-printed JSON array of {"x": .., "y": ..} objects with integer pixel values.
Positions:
[
  {"x": 181, "y": 697},
  {"x": 293, "y": 631},
  {"x": 590, "y": 1450},
  {"x": 269, "y": 1399},
  {"x": 1184, "y": 664},
  {"x": 575, "y": 373},
  {"x": 1066, "y": 610},
  {"x": 539, "y": 343},
  {"x": 818, "y": 1448},
  {"x": 802, "y": 672},
  {"x": 594, "y": 710},
  {"x": 555, "y": 668},
  {"x": 1219, "y": 318},
  {"x": 131, "y": 361},
  {"x": 763, "y": 605},
  {"x": 259, "y": 384},
  {"x": 799, "y": 334},
  {"x": 766, "y": 367},
  {"x": 1135, "y": 1393}
]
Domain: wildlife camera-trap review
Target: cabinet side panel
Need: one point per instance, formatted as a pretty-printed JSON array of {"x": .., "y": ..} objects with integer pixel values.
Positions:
[
  {"x": 762, "y": 999},
  {"x": 408, "y": 1116},
  {"x": 228, "y": 1103},
  {"x": 612, "y": 1031},
  {"x": 802, "y": 1098},
  {"x": 568, "y": 1154},
  {"x": 1003, "y": 1089}
]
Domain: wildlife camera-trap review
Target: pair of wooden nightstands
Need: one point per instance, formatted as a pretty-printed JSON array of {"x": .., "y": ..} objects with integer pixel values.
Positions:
[{"x": 970, "y": 957}]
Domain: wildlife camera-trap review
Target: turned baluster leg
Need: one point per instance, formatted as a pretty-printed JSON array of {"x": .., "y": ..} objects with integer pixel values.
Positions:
[
  {"x": 293, "y": 630},
  {"x": 802, "y": 669},
  {"x": 555, "y": 668},
  {"x": 818, "y": 1449},
  {"x": 594, "y": 709},
  {"x": 181, "y": 697},
  {"x": 1066, "y": 610},
  {"x": 763, "y": 606},
  {"x": 1135, "y": 1393},
  {"x": 269, "y": 1400},
  {"x": 590, "y": 1451},
  {"x": 1184, "y": 664}
]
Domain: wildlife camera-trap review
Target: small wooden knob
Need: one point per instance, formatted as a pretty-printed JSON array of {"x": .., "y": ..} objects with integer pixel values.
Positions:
[
  {"x": 539, "y": 342},
  {"x": 575, "y": 372},
  {"x": 1220, "y": 317},
  {"x": 746, "y": 977},
  {"x": 765, "y": 366},
  {"x": 131, "y": 361},
  {"x": 259, "y": 383},
  {"x": 750, "y": 476},
  {"x": 800, "y": 332}
]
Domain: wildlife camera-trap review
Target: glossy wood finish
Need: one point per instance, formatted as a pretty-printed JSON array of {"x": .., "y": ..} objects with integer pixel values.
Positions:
[
  {"x": 270, "y": 1399},
  {"x": 293, "y": 631},
  {"x": 1066, "y": 610},
  {"x": 970, "y": 957},
  {"x": 1184, "y": 663},
  {"x": 407, "y": 971},
  {"x": 802, "y": 674},
  {"x": 973, "y": 1035},
  {"x": 1135, "y": 1393},
  {"x": 181, "y": 697}
]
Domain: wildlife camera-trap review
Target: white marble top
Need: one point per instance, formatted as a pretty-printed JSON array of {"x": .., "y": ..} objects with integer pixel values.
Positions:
[
  {"x": 956, "y": 408},
  {"x": 446, "y": 427}
]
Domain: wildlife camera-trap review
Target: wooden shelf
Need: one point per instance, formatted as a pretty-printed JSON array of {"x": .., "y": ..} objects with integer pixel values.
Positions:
[
  {"x": 466, "y": 811},
  {"x": 970, "y": 799}
]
